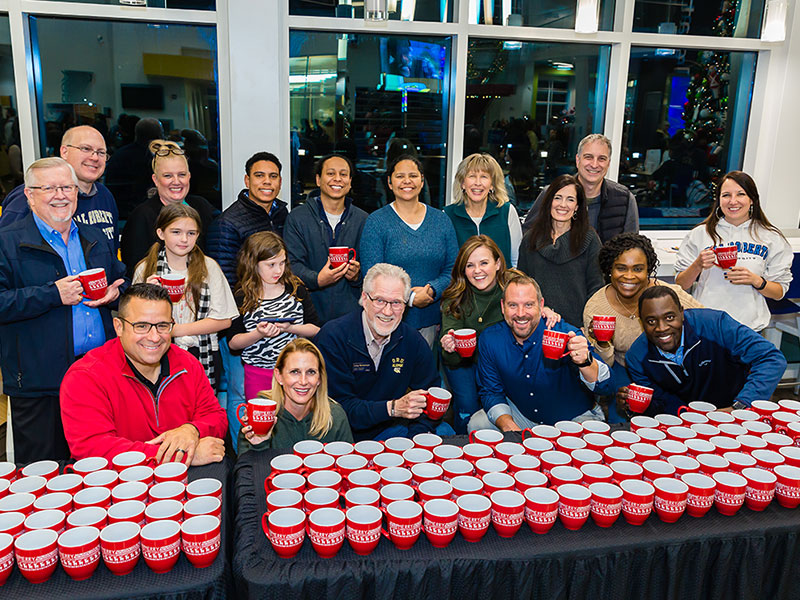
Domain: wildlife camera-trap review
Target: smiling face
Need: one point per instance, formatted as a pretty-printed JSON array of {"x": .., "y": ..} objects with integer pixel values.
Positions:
[
  {"x": 334, "y": 182},
  {"x": 629, "y": 273},
  {"x": 57, "y": 207},
  {"x": 481, "y": 269},
  {"x": 406, "y": 181},
  {"x": 172, "y": 178},
  {"x": 476, "y": 186},
  {"x": 263, "y": 183},
  {"x": 144, "y": 350},
  {"x": 662, "y": 321},
  {"x": 180, "y": 236},
  {"x": 89, "y": 167},
  {"x": 593, "y": 163},
  {"x": 565, "y": 204},
  {"x": 383, "y": 321},
  {"x": 271, "y": 270},
  {"x": 522, "y": 309},
  {"x": 734, "y": 202},
  {"x": 300, "y": 378}
]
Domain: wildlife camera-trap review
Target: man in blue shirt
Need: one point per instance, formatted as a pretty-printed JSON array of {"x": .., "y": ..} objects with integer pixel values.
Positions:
[
  {"x": 518, "y": 386},
  {"x": 45, "y": 322},
  {"x": 698, "y": 354}
]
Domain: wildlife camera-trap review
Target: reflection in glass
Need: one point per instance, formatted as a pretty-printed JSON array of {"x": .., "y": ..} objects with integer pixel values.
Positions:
[
  {"x": 10, "y": 146},
  {"x": 368, "y": 97},
  {"x": 725, "y": 18},
  {"x": 438, "y": 11},
  {"x": 111, "y": 75},
  {"x": 186, "y": 4},
  {"x": 559, "y": 14},
  {"x": 529, "y": 104},
  {"x": 686, "y": 115}
]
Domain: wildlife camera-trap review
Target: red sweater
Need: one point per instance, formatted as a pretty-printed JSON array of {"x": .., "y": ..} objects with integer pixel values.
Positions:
[{"x": 107, "y": 410}]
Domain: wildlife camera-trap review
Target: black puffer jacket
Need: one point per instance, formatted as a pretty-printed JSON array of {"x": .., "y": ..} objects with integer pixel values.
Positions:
[{"x": 238, "y": 222}]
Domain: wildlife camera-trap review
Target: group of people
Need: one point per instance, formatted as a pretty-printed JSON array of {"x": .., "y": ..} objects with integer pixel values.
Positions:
[{"x": 348, "y": 350}]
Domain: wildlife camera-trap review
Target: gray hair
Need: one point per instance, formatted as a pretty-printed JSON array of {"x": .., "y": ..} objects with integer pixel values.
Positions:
[
  {"x": 387, "y": 270},
  {"x": 51, "y": 162},
  {"x": 594, "y": 137}
]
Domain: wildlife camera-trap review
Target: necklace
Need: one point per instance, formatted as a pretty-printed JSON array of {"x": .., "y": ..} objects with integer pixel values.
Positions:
[
  {"x": 485, "y": 308},
  {"x": 631, "y": 315}
]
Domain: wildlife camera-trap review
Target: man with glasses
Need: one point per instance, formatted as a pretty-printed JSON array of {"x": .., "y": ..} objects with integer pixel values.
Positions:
[
  {"x": 85, "y": 150},
  {"x": 141, "y": 392},
  {"x": 45, "y": 321},
  {"x": 378, "y": 366}
]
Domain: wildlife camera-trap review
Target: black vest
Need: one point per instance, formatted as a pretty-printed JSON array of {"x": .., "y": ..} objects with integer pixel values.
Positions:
[{"x": 613, "y": 209}]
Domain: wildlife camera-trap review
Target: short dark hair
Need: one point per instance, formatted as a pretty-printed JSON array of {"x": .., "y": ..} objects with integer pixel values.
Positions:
[
  {"x": 145, "y": 291},
  {"x": 268, "y": 156},
  {"x": 659, "y": 291},
  {"x": 321, "y": 163},
  {"x": 390, "y": 169},
  {"x": 623, "y": 242}
]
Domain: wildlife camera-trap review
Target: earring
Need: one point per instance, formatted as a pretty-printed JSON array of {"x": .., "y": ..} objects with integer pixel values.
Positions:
[
  {"x": 750, "y": 211},
  {"x": 575, "y": 215},
  {"x": 718, "y": 212}
]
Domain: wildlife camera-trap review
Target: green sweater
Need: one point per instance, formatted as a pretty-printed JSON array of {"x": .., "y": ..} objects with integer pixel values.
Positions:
[
  {"x": 486, "y": 306},
  {"x": 288, "y": 431}
]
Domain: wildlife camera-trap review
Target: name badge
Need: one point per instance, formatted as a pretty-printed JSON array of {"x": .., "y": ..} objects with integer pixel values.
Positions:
[{"x": 361, "y": 367}]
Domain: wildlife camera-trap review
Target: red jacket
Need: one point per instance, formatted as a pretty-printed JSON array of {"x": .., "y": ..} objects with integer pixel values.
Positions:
[{"x": 106, "y": 410}]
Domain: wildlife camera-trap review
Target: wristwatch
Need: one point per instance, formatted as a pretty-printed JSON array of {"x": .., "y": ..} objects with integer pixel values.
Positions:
[
  {"x": 739, "y": 405},
  {"x": 763, "y": 284},
  {"x": 589, "y": 360}
]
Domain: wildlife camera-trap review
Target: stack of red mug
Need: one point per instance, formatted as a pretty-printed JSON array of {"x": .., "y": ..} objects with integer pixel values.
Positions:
[{"x": 118, "y": 511}]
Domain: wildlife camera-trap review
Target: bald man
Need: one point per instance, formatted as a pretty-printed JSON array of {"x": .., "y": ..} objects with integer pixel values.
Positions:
[{"x": 85, "y": 149}]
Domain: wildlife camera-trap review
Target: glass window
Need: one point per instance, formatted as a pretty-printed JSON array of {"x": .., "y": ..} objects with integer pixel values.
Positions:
[
  {"x": 440, "y": 11},
  {"x": 370, "y": 97},
  {"x": 725, "y": 18},
  {"x": 529, "y": 104},
  {"x": 686, "y": 114},
  {"x": 188, "y": 4},
  {"x": 111, "y": 75},
  {"x": 11, "y": 171},
  {"x": 536, "y": 13}
]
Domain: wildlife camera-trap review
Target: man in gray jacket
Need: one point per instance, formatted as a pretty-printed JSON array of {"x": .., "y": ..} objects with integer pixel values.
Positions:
[{"x": 328, "y": 218}]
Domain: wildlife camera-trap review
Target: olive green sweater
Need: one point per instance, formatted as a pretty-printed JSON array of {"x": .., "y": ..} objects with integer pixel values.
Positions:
[
  {"x": 288, "y": 431},
  {"x": 486, "y": 306}
]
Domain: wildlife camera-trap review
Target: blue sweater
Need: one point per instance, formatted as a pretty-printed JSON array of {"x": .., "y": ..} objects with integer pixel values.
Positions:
[
  {"x": 544, "y": 390},
  {"x": 406, "y": 364},
  {"x": 427, "y": 254},
  {"x": 723, "y": 361}
]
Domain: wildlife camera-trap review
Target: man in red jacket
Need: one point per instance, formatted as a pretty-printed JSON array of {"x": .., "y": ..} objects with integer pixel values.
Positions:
[{"x": 140, "y": 392}]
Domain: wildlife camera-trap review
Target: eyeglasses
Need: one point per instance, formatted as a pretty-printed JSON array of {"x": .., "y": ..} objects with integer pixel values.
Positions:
[
  {"x": 52, "y": 189},
  {"x": 143, "y": 327},
  {"x": 101, "y": 154},
  {"x": 380, "y": 303},
  {"x": 167, "y": 149}
]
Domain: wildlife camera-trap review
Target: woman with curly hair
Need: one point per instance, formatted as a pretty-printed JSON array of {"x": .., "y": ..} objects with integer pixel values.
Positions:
[
  {"x": 628, "y": 263},
  {"x": 763, "y": 256}
]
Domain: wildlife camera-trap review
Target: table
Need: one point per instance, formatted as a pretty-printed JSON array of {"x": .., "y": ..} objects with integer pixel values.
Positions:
[
  {"x": 183, "y": 582},
  {"x": 751, "y": 555}
]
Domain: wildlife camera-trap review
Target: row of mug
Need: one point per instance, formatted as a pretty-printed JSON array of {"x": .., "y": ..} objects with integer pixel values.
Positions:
[{"x": 37, "y": 552}]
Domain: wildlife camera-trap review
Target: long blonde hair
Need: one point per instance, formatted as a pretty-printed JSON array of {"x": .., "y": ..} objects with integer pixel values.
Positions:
[
  {"x": 262, "y": 245},
  {"x": 484, "y": 163},
  {"x": 322, "y": 419}
]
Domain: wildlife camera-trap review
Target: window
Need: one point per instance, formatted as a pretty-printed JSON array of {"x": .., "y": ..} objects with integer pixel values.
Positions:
[
  {"x": 686, "y": 116},
  {"x": 370, "y": 97},
  {"x": 536, "y": 13},
  {"x": 10, "y": 146},
  {"x": 529, "y": 104},
  {"x": 398, "y": 10},
  {"x": 112, "y": 74},
  {"x": 726, "y": 18},
  {"x": 187, "y": 4}
]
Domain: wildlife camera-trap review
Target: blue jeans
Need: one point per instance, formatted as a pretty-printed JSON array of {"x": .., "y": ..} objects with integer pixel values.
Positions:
[
  {"x": 442, "y": 429},
  {"x": 464, "y": 385},
  {"x": 620, "y": 378},
  {"x": 234, "y": 374}
]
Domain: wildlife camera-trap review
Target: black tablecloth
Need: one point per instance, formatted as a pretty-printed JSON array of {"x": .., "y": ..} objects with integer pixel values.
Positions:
[
  {"x": 751, "y": 555},
  {"x": 183, "y": 582}
]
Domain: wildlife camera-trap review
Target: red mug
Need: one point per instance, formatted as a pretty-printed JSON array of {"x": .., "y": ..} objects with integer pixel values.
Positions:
[
  {"x": 87, "y": 465},
  {"x": 427, "y": 441},
  {"x": 653, "y": 469},
  {"x": 131, "y": 458},
  {"x": 161, "y": 545},
  {"x": 624, "y": 470},
  {"x": 37, "y": 554},
  {"x": 765, "y": 409},
  {"x": 739, "y": 461},
  {"x": 525, "y": 480},
  {"x": 94, "y": 283},
  {"x": 574, "y": 505},
  {"x": 404, "y": 523},
  {"x": 174, "y": 284},
  {"x": 68, "y": 482},
  {"x": 454, "y": 467},
  {"x": 339, "y": 255},
  {"x": 363, "y": 528},
  {"x": 79, "y": 551},
  {"x": 395, "y": 492},
  {"x": 606, "y": 503},
  {"x": 670, "y": 498},
  {"x": 787, "y": 489},
  {"x": 564, "y": 474},
  {"x": 554, "y": 344},
  {"x": 171, "y": 471},
  {"x": 437, "y": 402},
  {"x": 700, "y": 498},
  {"x": 541, "y": 509},
  {"x": 206, "y": 486},
  {"x": 363, "y": 496},
  {"x": 596, "y": 473},
  {"x": 508, "y": 512},
  {"x": 120, "y": 546},
  {"x": 639, "y": 397},
  {"x": 47, "y": 519},
  {"x": 466, "y": 342},
  {"x": 22, "y": 503},
  {"x": 431, "y": 490},
  {"x": 637, "y": 500},
  {"x": 201, "y": 539},
  {"x": 398, "y": 445},
  {"x": 91, "y": 516},
  {"x": 141, "y": 473},
  {"x": 107, "y": 478},
  {"x": 684, "y": 464},
  {"x": 466, "y": 484},
  {"x": 283, "y": 499},
  {"x": 305, "y": 448},
  {"x": 369, "y": 449},
  {"x": 425, "y": 472},
  {"x": 730, "y": 493},
  {"x": 603, "y": 327},
  {"x": 164, "y": 510},
  {"x": 614, "y": 453},
  {"x": 474, "y": 516},
  {"x": 128, "y": 510},
  {"x": 29, "y": 485},
  {"x": 286, "y": 463},
  {"x": 440, "y": 521},
  {"x": 416, "y": 456},
  {"x": 489, "y": 465},
  {"x": 319, "y": 498},
  {"x": 8, "y": 471},
  {"x": 523, "y": 462},
  {"x": 286, "y": 530},
  {"x": 364, "y": 478},
  {"x": 41, "y": 468},
  {"x": 168, "y": 490},
  {"x": 6, "y": 556},
  {"x": 326, "y": 530},
  {"x": 506, "y": 450},
  {"x": 260, "y": 414},
  {"x": 493, "y": 482},
  {"x": 554, "y": 458},
  {"x": 726, "y": 255},
  {"x": 130, "y": 490},
  {"x": 535, "y": 446},
  {"x": 12, "y": 523},
  {"x": 760, "y": 490}
]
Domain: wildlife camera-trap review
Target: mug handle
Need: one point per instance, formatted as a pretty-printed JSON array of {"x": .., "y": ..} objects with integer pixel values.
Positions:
[
  {"x": 238, "y": 415},
  {"x": 682, "y": 409},
  {"x": 268, "y": 483},
  {"x": 778, "y": 429},
  {"x": 528, "y": 429},
  {"x": 471, "y": 437},
  {"x": 67, "y": 468},
  {"x": 353, "y": 250}
]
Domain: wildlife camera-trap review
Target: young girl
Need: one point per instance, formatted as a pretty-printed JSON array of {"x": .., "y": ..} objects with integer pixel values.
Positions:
[
  {"x": 207, "y": 306},
  {"x": 275, "y": 309}
]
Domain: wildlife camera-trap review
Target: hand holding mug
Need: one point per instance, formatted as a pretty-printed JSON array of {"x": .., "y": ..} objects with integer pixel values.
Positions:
[
  {"x": 70, "y": 290},
  {"x": 328, "y": 275},
  {"x": 706, "y": 259},
  {"x": 578, "y": 348},
  {"x": 448, "y": 342},
  {"x": 112, "y": 293},
  {"x": 622, "y": 400},
  {"x": 411, "y": 405},
  {"x": 250, "y": 436},
  {"x": 353, "y": 270}
]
